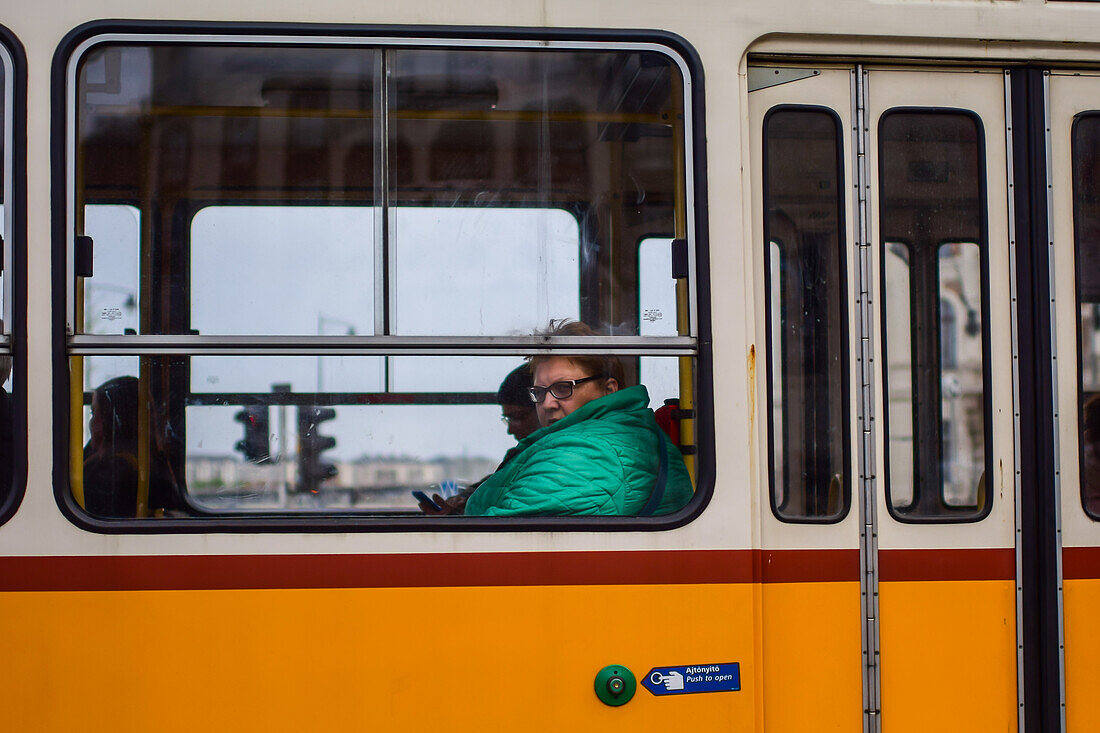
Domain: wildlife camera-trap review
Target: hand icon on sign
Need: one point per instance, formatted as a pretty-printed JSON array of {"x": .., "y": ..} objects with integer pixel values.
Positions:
[{"x": 673, "y": 681}]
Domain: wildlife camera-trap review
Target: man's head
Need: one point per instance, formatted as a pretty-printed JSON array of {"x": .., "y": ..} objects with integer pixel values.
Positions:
[
  {"x": 114, "y": 418},
  {"x": 562, "y": 384},
  {"x": 516, "y": 408}
]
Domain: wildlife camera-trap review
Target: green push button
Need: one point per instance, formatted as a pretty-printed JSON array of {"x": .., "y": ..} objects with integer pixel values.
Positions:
[{"x": 615, "y": 685}]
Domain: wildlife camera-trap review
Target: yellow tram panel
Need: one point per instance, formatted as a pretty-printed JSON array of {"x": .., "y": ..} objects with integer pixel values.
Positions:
[
  {"x": 943, "y": 669},
  {"x": 1080, "y": 603},
  {"x": 486, "y": 658}
]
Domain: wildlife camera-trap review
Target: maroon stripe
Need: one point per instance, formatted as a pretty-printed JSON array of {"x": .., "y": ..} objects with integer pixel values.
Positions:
[
  {"x": 1080, "y": 563},
  {"x": 954, "y": 564},
  {"x": 808, "y": 566},
  {"x": 214, "y": 572},
  {"x": 648, "y": 567}
]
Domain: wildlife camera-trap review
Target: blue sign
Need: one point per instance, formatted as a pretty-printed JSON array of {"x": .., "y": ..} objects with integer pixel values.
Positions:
[{"x": 694, "y": 678}]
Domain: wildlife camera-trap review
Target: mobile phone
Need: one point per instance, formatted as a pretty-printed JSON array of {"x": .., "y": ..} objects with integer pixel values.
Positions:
[{"x": 421, "y": 496}]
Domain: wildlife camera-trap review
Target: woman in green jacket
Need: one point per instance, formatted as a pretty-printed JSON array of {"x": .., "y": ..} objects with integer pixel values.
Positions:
[{"x": 599, "y": 450}]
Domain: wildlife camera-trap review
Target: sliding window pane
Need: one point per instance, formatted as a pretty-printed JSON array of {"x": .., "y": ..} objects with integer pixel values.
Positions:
[
  {"x": 550, "y": 136},
  {"x": 268, "y": 155}
]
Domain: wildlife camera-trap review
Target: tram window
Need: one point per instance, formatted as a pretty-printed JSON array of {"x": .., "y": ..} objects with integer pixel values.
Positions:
[
  {"x": 1086, "y": 228},
  {"x": 807, "y": 320},
  {"x": 374, "y": 229},
  {"x": 935, "y": 338},
  {"x": 8, "y": 218}
]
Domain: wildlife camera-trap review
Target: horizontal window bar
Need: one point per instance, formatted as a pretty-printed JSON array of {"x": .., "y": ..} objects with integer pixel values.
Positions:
[{"x": 389, "y": 345}]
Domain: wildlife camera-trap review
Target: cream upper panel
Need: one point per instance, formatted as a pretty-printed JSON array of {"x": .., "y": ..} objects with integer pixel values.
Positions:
[
  {"x": 25, "y": 533},
  {"x": 719, "y": 31}
]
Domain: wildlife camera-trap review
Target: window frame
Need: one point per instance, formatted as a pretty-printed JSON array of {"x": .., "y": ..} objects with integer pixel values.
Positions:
[
  {"x": 842, "y": 285},
  {"x": 697, "y": 345},
  {"x": 13, "y": 339}
]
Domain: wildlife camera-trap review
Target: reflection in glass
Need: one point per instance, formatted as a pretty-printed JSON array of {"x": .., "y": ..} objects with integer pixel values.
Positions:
[
  {"x": 246, "y": 448},
  {"x": 961, "y": 373},
  {"x": 932, "y": 220},
  {"x": 899, "y": 366},
  {"x": 1086, "y": 235},
  {"x": 804, "y": 252}
]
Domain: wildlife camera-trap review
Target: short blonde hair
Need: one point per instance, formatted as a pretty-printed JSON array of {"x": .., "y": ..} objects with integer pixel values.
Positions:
[{"x": 607, "y": 366}]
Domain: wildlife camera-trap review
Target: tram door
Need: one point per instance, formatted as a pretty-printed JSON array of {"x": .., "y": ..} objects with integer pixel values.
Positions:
[
  {"x": 890, "y": 385},
  {"x": 946, "y": 467},
  {"x": 1074, "y": 113},
  {"x": 803, "y": 232}
]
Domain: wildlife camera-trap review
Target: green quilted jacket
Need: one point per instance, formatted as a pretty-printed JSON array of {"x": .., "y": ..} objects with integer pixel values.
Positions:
[{"x": 600, "y": 459}]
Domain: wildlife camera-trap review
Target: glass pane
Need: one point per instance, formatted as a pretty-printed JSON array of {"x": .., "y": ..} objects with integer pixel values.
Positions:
[
  {"x": 807, "y": 321},
  {"x": 775, "y": 355},
  {"x": 483, "y": 271},
  {"x": 5, "y": 164},
  {"x": 657, "y": 310},
  {"x": 932, "y": 221},
  {"x": 112, "y": 295},
  {"x": 282, "y": 270},
  {"x": 257, "y": 447},
  {"x": 196, "y": 138},
  {"x": 7, "y": 444},
  {"x": 1086, "y": 234},
  {"x": 544, "y": 140}
]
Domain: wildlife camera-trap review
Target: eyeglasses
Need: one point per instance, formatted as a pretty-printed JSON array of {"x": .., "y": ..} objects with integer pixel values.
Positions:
[{"x": 562, "y": 390}]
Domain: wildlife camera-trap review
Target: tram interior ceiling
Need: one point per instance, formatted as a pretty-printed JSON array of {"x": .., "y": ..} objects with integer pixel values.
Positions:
[{"x": 440, "y": 193}]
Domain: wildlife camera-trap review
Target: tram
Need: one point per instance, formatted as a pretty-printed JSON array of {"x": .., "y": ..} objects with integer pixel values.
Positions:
[{"x": 266, "y": 264}]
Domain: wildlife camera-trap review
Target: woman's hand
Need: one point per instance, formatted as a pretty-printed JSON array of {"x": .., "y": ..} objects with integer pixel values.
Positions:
[{"x": 454, "y": 505}]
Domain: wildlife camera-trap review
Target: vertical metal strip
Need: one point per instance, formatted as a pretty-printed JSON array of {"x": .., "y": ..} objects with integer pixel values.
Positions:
[
  {"x": 1010, "y": 173},
  {"x": 1056, "y": 448},
  {"x": 868, "y": 532}
]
